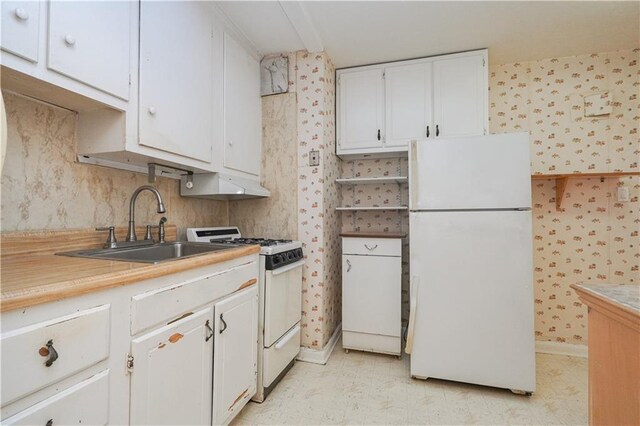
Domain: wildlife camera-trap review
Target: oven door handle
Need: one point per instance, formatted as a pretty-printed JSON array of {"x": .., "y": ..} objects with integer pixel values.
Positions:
[
  {"x": 287, "y": 268},
  {"x": 287, "y": 337}
]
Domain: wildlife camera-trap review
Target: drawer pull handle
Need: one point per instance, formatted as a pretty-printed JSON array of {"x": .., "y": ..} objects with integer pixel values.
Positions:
[
  {"x": 371, "y": 248},
  {"x": 210, "y": 330},
  {"x": 348, "y": 265},
  {"x": 223, "y": 323},
  {"x": 49, "y": 422},
  {"x": 50, "y": 352}
]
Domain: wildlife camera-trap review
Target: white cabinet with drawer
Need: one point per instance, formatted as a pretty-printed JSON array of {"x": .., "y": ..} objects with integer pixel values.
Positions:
[
  {"x": 86, "y": 403},
  {"x": 371, "y": 292},
  {"x": 44, "y": 353}
]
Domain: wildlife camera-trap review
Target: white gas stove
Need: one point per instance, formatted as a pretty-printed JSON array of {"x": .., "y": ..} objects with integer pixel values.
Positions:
[{"x": 280, "y": 300}]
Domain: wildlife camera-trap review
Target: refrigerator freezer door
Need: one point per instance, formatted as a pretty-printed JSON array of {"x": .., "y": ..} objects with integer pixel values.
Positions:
[
  {"x": 483, "y": 172},
  {"x": 474, "y": 307}
]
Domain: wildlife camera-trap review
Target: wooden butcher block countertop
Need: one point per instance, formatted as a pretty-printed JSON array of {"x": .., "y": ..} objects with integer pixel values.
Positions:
[
  {"x": 366, "y": 234},
  {"x": 32, "y": 274}
]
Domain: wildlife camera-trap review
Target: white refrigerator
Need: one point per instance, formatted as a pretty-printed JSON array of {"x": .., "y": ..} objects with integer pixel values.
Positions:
[{"x": 471, "y": 292}]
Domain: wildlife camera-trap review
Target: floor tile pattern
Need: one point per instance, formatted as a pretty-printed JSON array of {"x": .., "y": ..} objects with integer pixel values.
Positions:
[{"x": 363, "y": 388}]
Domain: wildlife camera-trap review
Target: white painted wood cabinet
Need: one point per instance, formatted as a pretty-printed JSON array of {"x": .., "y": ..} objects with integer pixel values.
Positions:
[
  {"x": 172, "y": 372},
  {"x": 360, "y": 110},
  {"x": 371, "y": 294},
  {"x": 242, "y": 139},
  {"x": 121, "y": 362},
  {"x": 176, "y": 78},
  {"x": 20, "y": 28},
  {"x": 235, "y": 363},
  {"x": 443, "y": 96},
  {"x": 90, "y": 41}
]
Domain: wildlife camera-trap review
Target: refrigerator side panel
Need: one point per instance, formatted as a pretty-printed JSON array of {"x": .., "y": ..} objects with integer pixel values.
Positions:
[
  {"x": 483, "y": 172},
  {"x": 474, "y": 308}
]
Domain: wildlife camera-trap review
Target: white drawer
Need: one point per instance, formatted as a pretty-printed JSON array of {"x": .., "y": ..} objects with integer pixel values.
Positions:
[
  {"x": 168, "y": 303},
  {"x": 86, "y": 403},
  {"x": 280, "y": 354},
  {"x": 372, "y": 246},
  {"x": 80, "y": 340}
]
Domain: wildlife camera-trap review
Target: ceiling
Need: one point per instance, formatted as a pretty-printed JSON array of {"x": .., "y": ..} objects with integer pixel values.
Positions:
[{"x": 359, "y": 32}]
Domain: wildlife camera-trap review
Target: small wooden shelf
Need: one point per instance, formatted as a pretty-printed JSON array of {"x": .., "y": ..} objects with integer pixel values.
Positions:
[
  {"x": 370, "y": 180},
  {"x": 347, "y": 208},
  {"x": 563, "y": 179}
]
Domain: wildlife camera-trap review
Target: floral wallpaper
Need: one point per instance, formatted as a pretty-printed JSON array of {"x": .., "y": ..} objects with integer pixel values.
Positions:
[
  {"x": 318, "y": 223},
  {"x": 594, "y": 238},
  {"x": 43, "y": 187}
]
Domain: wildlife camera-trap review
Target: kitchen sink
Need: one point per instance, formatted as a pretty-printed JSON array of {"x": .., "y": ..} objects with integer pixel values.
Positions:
[{"x": 152, "y": 253}]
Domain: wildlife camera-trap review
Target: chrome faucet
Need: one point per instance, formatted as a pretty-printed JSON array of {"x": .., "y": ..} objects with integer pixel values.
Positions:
[{"x": 131, "y": 234}]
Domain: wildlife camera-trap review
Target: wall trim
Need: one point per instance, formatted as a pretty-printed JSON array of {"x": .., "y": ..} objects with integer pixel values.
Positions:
[
  {"x": 321, "y": 356},
  {"x": 557, "y": 348}
]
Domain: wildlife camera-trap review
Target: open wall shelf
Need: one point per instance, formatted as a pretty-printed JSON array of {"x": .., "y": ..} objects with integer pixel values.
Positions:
[
  {"x": 372, "y": 180},
  {"x": 563, "y": 179}
]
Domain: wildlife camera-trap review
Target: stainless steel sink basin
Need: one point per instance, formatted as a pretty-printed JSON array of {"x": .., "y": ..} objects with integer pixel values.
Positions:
[{"x": 153, "y": 253}]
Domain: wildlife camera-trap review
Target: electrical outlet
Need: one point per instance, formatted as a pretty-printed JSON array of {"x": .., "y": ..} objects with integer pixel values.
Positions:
[
  {"x": 314, "y": 158},
  {"x": 623, "y": 194}
]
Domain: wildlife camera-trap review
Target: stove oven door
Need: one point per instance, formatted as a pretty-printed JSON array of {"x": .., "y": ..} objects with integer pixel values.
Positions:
[{"x": 283, "y": 301}]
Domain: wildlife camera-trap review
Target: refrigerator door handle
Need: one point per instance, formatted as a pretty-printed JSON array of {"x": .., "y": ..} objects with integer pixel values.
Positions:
[
  {"x": 413, "y": 303},
  {"x": 413, "y": 174}
]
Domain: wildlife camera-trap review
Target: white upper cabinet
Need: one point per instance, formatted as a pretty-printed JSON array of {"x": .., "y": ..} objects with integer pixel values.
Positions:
[
  {"x": 89, "y": 41},
  {"x": 360, "y": 110},
  {"x": 176, "y": 78},
  {"x": 408, "y": 103},
  {"x": 460, "y": 96},
  {"x": 443, "y": 96},
  {"x": 20, "y": 28},
  {"x": 242, "y": 109}
]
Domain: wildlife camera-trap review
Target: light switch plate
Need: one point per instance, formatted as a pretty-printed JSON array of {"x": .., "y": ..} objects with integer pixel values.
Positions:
[
  {"x": 623, "y": 194},
  {"x": 314, "y": 158}
]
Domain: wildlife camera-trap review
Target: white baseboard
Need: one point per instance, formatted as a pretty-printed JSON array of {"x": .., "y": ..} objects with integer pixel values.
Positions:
[
  {"x": 321, "y": 356},
  {"x": 557, "y": 348}
]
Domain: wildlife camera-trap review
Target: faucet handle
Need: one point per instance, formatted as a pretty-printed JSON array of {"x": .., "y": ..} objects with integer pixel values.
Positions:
[{"x": 111, "y": 239}]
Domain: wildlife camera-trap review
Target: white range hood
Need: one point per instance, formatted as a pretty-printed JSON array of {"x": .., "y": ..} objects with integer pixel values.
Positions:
[{"x": 219, "y": 186}]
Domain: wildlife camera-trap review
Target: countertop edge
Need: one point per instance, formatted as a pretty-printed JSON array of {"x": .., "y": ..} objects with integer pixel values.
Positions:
[
  {"x": 608, "y": 305},
  {"x": 16, "y": 299}
]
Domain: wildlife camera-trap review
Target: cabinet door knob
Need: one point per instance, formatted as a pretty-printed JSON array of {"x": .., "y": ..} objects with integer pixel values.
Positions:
[
  {"x": 230, "y": 143},
  {"x": 70, "y": 40},
  {"x": 152, "y": 110},
  {"x": 50, "y": 352},
  {"x": 21, "y": 14}
]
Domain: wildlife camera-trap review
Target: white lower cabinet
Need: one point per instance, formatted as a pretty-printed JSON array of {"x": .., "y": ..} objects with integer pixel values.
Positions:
[
  {"x": 371, "y": 295},
  {"x": 175, "y": 349},
  {"x": 235, "y": 355},
  {"x": 171, "y": 374},
  {"x": 85, "y": 403}
]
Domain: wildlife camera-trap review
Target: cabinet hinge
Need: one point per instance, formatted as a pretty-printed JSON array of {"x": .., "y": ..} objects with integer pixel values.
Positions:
[
  {"x": 129, "y": 363},
  {"x": 483, "y": 62},
  {"x": 129, "y": 79},
  {"x": 384, "y": 74}
]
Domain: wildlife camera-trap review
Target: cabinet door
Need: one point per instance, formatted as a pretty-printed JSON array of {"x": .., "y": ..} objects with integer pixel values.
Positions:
[
  {"x": 171, "y": 377},
  {"x": 408, "y": 101},
  {"x": 176, "y": 83},
  {"x": 371, "y": 292},
  {"x": 89, "y": 41},
  {"x": 20, "y": 28},
  {"x": 360, "y": 110},
  {"x": 235, "y": 358},
  {"x": 460, "y": 96},
  {"x": 242, "y": 109}
]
